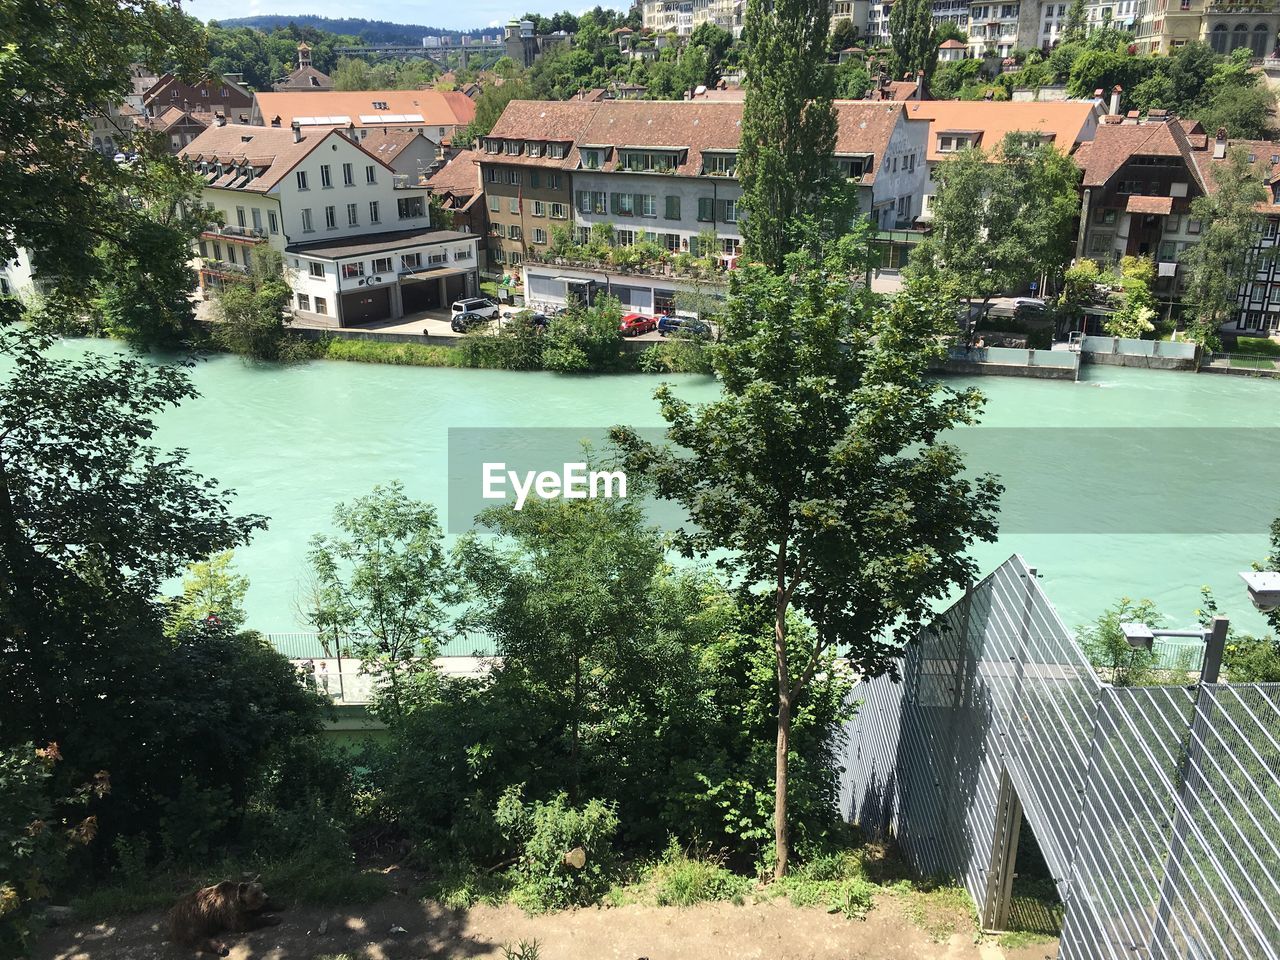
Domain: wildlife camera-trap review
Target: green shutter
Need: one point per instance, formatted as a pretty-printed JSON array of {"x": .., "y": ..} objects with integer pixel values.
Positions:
[
  {"x": 706, "y": 209},
  {"x": 533, "y": 179},
  {"x": 614, "y": 204}
]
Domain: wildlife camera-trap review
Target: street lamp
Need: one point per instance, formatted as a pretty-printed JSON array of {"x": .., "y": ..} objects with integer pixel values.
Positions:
[
  {"x": 1264, "y": 588},
  {"x": 1142, "y": 637}
]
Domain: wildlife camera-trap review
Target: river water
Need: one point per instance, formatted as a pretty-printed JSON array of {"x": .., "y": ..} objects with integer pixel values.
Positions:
[{"x": 295, "y": 441}]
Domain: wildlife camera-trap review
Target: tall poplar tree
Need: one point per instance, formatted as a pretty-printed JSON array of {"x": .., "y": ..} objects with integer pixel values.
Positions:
[
  {"x": 785, "y": 163},
  {"x": 915, "y": 42}
]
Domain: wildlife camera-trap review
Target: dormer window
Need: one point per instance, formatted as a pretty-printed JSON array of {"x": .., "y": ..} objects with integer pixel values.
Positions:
[
  {"x": 557, "y": 151},
  {"x": 534, "y": 149},
  {"x": 719, "y": 164},
  {"x": 950, "y": 143},
  {"x": 854, "y": 168},
  {"x": 591, "y": 159},
  {"x": 380, "y": 105},
  {"x": 492, "y": 146},
  {"x": 513, "y": 148},
  {"x": 647, "y": 160}
]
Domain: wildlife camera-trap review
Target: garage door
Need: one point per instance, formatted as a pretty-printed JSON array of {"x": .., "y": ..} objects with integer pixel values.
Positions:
[
  {"x": 365, "y": 306},
  {"x": 420, "y": 295},
  {"x": 456, "y": 287}
]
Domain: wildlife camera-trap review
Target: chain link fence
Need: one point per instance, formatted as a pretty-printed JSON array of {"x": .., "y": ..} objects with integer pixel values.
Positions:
[{"x": 1157, "y": 809}]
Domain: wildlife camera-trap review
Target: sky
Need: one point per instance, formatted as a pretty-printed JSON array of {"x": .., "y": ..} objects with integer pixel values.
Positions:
[{"x": 475, "y": 14}]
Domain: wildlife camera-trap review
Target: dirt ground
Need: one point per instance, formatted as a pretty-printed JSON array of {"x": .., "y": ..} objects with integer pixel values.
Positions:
[{"x": 772, "y": 930}]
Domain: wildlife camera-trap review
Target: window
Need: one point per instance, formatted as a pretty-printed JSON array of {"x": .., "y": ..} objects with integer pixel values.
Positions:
[
  {"x": 331, "y": 218},
  {"x": 672, "y": 211},
  {"x": 371, "y": 174},
  {"x": 559, "y": 211},
  {"x": 513, "y": 205},
  {"x": 1100, "y": 243},
  {"x": 352, "y": 270},
  {"x": 1131, "y": 186},
  {"x": 410, "y": 207},
  {"x": 353, "y": 215},
  {"x": 512, "y": 148},
  {"x": 322, "y": 306},
  {"x": 648, "y": 204},
  {"x": 374, "y": 215},
  {"x": 706, "y": 210},
  {"x": 494, "y": 203},
  {"x": 557, "y": 151},
  {"x": 1172, "y": 223},
  {"x": 533, "y": 149},
  {"x": 217, "y": 251},
  {"x": 348, "y": 175},
  {"x": 553, "y": 181},
  {"x": 326, "y": 178},
  {"x": 316, "y": 270},
  {"x": 623, "y": 204},
  {"x": 380, "y": 105},
  {"x": 728, "y": 211},
  {"x": 539, "y": 208},
  {"x": 492, "y": 146},
  {"x": 599, "y": 202},
  {"x": 513, "y": 232},
  {"x": 382, "y": 265},
  {"x": 1108, "y": 216},
  {"x": 624, "y": 238},
  {"x": 671, "y": 241},
  {"x": 533, "y": 178},
  {"x": 514, "y": 259},
  {"x": 539, "y": 235},
  {"x": 513, "y": 176},
  {"x": 1193, "y": 226},
  {"x": 240, "y": 221},
  {"x": 273, "y": 222},
  {"x": 490, "y": 174},
  {"x": 257, "y": 219},
  {"x": 591, "y": 159},
  {"x": 231, "y": 253},
  {"x": 720, "y": 164},
  {"x": 731, "y": 246},
  {"x": 304, "y": 302},
  {"x": 410, "y": 261},
  {"x": 302, "y": 180},
  {"x": 306, "y": 221},
  {"x": 463, "y": 254}
]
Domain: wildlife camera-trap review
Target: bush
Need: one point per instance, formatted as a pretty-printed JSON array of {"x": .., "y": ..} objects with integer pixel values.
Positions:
[
  {"x": 682, "y": 880},
  {"x": 517, "y": 345},
  {"x": 564, "y": 855},
  {"x": 403, "y": 354},
  {"x": 586, "y": 339},
  {"x": 837, "y": 881},
  {"x": 678, "y": 354}
]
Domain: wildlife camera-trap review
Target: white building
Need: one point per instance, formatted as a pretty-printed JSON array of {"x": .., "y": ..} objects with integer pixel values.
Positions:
[{"x": 356, "y": 238}]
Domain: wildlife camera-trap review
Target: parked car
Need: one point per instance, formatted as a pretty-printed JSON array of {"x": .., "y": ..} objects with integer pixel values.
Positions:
[
  {"x": 1028, "y": 303},
  {"x": 481, "y": 305},
  {"x": 670, "y": 323},
  {"x": 634, "y": 324},
  {"x": 462, "y": 322}
]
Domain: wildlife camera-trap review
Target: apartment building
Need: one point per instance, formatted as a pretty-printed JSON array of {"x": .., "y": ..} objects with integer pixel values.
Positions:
[
  {"x": 357, "y": 240},
  {"x": 682, "y": 17},
  {"x": 1160, "y": 26},
  {"x": 205, "y": 99},
  {"x": 435, "y": 115},
  {"x": 663, "y": 172}
]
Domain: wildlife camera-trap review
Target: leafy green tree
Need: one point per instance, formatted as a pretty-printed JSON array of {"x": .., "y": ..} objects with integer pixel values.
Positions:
[
  {"x": 1221, "y": 261},
  {"x": 1244, "y": 112},
  {"x": 352, "y": 74},
  {"x": 489, "y": 106},
  {"x": 143, "y": 294},
  {"x": 948, "y": 30},
  {"x": 211, "y": 588},
  {"x": 843, "y": 35},
  {"x": 249, "y": 314},
  {"x": 715, "y": 40},
  {"x": 1073, "y": 30},
  {"x": 62, "y": 63},
  {"x": 915, "y": 44},
  {"x": 788, "y": 126},
  {"x": 1104, "y": 643},
  {"x": 818, "y": 477},
  {"x": 1136, "y": 315},
  {"x": 1001, "y": 219},
  {"x": 951, "y": 77},
  {"x": 385, "y": 584},
  {"x": 852, "y": 80}
]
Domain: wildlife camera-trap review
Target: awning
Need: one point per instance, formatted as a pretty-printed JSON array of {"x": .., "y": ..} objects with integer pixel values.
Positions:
[
  {"x": 429, "y": 274},
  {"x": 1140, "y": 204}
]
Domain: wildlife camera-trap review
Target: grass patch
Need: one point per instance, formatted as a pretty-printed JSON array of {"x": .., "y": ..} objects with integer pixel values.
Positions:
[
  {"x": 939, "y": 908},
  {"x": 837, "y": 881},
  {"x": 458, "y": 885},
  {"x": 681, "y": 880},
  {"x": 1015, "y": 939},
  {"x": 1258, "y": 346},
  {"x": 324, "y": 881},
  {"x": 399, "y": 354}
]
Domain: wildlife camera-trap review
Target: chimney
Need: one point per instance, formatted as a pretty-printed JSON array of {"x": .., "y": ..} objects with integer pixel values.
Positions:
[
  {"x": 1220, "y": 144},
  {"x": 919, "y": 84},
  {"x": 1115, "y": 99},
  {"x": 297, "y": 131}
]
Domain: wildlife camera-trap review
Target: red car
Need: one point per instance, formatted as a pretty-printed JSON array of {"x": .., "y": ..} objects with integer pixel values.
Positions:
[{"x": 634, "y": 324}]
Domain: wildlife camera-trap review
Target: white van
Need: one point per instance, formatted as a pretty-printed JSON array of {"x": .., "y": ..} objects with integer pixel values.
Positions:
[{"x": 481, "y": 305}]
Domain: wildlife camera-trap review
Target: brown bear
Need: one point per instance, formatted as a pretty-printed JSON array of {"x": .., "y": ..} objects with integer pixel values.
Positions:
[{"x": 227, "y": 906}]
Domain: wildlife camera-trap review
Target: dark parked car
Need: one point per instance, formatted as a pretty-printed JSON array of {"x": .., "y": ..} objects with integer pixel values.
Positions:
[
  {"x": 670, "y": 323},
  {"x": 634, "y": 324},
  {"x": 462, "y": 322}
]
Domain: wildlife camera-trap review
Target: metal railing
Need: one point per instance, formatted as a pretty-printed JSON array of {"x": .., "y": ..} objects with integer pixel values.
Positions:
[
  {"x": 1157, "y": 809},
  {"x": 1242, "y": 361}
]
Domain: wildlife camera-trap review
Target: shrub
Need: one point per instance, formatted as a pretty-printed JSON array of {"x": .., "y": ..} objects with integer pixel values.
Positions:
[
  {"x": 403, "y": 354},
  {"x": 586, "y": 339},
  {"x": 836, "y": 881},
  {"x": 677, "y": 354},
  {"x": 564, "y": 854},
  {"x": 517, "y": 345}
]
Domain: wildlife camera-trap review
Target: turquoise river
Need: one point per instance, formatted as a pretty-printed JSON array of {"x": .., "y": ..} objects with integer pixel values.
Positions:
[{"x": 293, "y": 442}]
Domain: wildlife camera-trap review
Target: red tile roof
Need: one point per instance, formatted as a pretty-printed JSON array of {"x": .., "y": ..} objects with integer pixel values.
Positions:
[
  {"x": 437, "y": 109},
  {"x": 1114, "y": 144},
  {"x": 459, "y": 176},
  {"x": 271, "y": 151},
  {"x": 1067, "y": 121}
]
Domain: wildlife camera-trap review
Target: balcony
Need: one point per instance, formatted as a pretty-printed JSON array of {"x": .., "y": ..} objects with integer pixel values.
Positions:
[
  {"x": 680, "y": 266},
  {"x": 405, "y": 181},
  {"x": 223, "y": 268},
  {"x": 233, "y": 234},
  {"x": 1241, "y": 6}
]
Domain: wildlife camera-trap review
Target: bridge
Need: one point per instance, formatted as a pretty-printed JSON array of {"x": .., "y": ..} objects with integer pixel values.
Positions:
[{"x": 489, "y": 50}]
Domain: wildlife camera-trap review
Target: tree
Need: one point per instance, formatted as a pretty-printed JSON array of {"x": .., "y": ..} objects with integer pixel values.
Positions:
[
  {"x": 852, "y": 80},
  {"x": 1105, "y": 644},
  {"x": 1073, "y": 30},
  {"x": 352, "y": 74},
  {"x": 1244, "y": 112},
  {"x": 211, "y": 588},
  {"x": 1136, "y": 315},
  {"x": 1218, "y": 265},
  {"x": 1001, "y": 219},
  {"x": 492, "y": 101},
  {"x": 952, "y": 76},
  {"x": 915, "y": 44},
  {"x": 63, "y": 64},
  {"x": 585, "y": 338},
  {"x": 843, "y": 35},
  {"x": 818, "y": 476},
  {"x": 948, "y": 30},
  {"x": 250, "y": 313},
  {"x": 143, "y": 294},
  {"x": 715, "y": 40},
  {"x": 385, "y": 585},
  {"x": 785, "y": 161}
]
